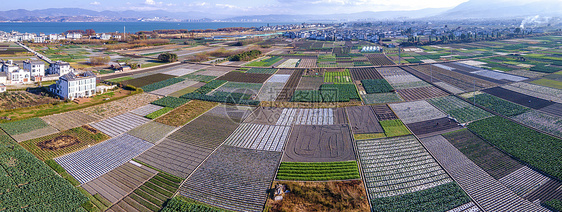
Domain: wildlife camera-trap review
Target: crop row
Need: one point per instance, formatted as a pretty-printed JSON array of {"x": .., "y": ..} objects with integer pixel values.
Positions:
[
  {"x": 318, "y": 171},
  {"x": 394, "y": 128},
  {"x": 376, "y": 86},
  {"x": 159, "y": 113},
  {"x": 539, "y": 150},
  {"x": 23, "y": 126},
  {"x": 265, "y": 62},
  {"x": 182, "y": 115},
  {"x": 498, "y": 105}
]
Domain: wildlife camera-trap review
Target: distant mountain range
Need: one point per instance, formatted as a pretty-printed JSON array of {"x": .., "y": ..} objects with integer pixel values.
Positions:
[{"x": 473, "y": 9}]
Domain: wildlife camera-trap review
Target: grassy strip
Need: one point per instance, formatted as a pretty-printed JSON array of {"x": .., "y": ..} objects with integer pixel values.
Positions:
[
  {"x": 159, "y": 113},
  {"x": 143, "y": 202},
  {"x": 368, "y": 136},
  {"x": 318, "y": 171},
  {"x": 394, "y": 128},
  {"x": 97, "y": 205},
  {"x": 62, "y": 172},
  {"x": 120, "y": 79},
  {"x": 539, "y": 150}
]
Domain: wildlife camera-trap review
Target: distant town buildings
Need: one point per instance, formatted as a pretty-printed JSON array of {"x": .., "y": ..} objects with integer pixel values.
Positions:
[{"x": 71, "y": 85}]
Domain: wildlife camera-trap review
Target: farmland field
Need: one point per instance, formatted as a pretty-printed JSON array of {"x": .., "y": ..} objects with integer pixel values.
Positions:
[
  {"x": 363, "y": 120},
  {"x": 337, "y": 77},
  {"x": 62, "y": 143},
  {"x": 266, "y": 62},
  {"x": 394, "y": 128},
  {"x": 365, "y": 73},
  {"x": 460, "y": 110},
  {"x": 461, "y": 81},
  {"x": 119, "y": 124},
  {"x": 398, "y": 166},
  {"x": 290, "y": 63},
  {"x": 310, "y": 83},
  {"x": 259, "y": 137},
  {"x": 151, "y": 131},
  {"x": 381, "y": 98},
  {"x": 168, "y": 101},
  {"x": 23, "y": 126},
  {"x": 286, "y": 93},
  {"x": 185, "y": 113},
  {"x": 498, "y": 105},
  {"x": 45, "y": 190},
  {"x": 433, "y": 127},
  {"x": 245, "y": 77},
  {"x": 521, "y": 99},
  {"x": 262, "y": 71},
  {"x": 18, "y": 99},
  {"x": 118, "y": 107},
  {"x": 238, "y": 87},
  {"x": 167, "y": 90},
  {"x": 147, "y": 80},
  {"x": 528, "y": 145},
  {"x": 379, "y": 60},
  {"x": 319, "y": 171},
  {"x": 161, "y": 84},
  {"x": 376, "y": 86},
  {"x": 384, "y": 112},
  {"x": 536, "y": 91},
  {"x": 414, "y": 94},
  {"x": 411, "y": 112},
  {"x": 490, "y": 159},
  {"x": 307, "y": 63},
  {"x": 95, "y": 161},
  {"x": 347, "y": 195},
  {"x": 219, "y": 180},
  {"x": 271, "y": 89},
  {"x": 328, "y": 143}
]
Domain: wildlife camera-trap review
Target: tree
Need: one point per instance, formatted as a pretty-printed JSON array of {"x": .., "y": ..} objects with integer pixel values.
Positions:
[
  {"x": 98, "y": 60},
  {"x": 167, "y": 57}
]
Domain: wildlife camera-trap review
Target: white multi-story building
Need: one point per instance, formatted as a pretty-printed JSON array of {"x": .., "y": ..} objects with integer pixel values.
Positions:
[
  {"x": 40, "y": 39},
  {"x": 71, "y": 86},
  {"x": 60, "y": 68},
  {"x": 19, "y": 76},
  {"x": 105, "y": 36},
  {"x": 9, "y": 66},
  {"x": 35, "y": 68},
  {"x": 73, "y": 36}
]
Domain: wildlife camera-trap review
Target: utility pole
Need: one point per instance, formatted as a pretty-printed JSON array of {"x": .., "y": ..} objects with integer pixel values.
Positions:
[{"x": 124, "y": 38}]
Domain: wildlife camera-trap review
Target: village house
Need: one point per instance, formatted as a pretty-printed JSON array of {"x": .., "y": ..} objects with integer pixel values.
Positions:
[
  {"x": 71, "y": 85},
  {"x": 60, "y": 68}
]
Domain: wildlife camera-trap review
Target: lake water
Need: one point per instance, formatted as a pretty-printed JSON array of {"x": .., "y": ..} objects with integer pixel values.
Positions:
[{"x": 60, "y": 27}]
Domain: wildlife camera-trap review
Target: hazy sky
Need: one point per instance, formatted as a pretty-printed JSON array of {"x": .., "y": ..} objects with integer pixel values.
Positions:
[{"x": 238, "y": 7}]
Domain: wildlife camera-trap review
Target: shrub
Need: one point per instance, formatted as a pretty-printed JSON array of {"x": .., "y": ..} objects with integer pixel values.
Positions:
[{"x": 167, "y": 57}]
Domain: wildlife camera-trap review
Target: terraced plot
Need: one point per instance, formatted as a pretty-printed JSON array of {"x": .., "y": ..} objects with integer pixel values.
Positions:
[
  {"x": 412, "y": 112},
  {"x": 68, "y": 120},
  {"x": 414, "y": 94},
  {"x": 363, "y": 120},
  {"x": 259, "y": 137},
  {"x": 398, "y": 166},
  {"x": 462, "y": 111},
  {"x": 489, "y": 193},
  {"x": 313, "y": 143},
  {"x": 90, "y": 163},
  {"x": 325, "y": 116},
  {"x": 233, "y": 178},
  {"x": 151, "y": 131},
  {"x": 145, "y": 110},
  {"x": 120, "y": 124},
  {"x": 120, "y": 181}
]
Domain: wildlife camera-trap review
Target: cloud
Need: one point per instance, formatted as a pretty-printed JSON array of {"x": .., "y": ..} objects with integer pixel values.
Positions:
[
  {"x": 150, "y": 2},
  {"x": 95, "y": 3}
]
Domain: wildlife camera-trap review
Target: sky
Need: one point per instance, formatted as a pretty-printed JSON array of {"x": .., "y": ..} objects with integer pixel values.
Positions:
[{"x": 238, "y": 7}]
